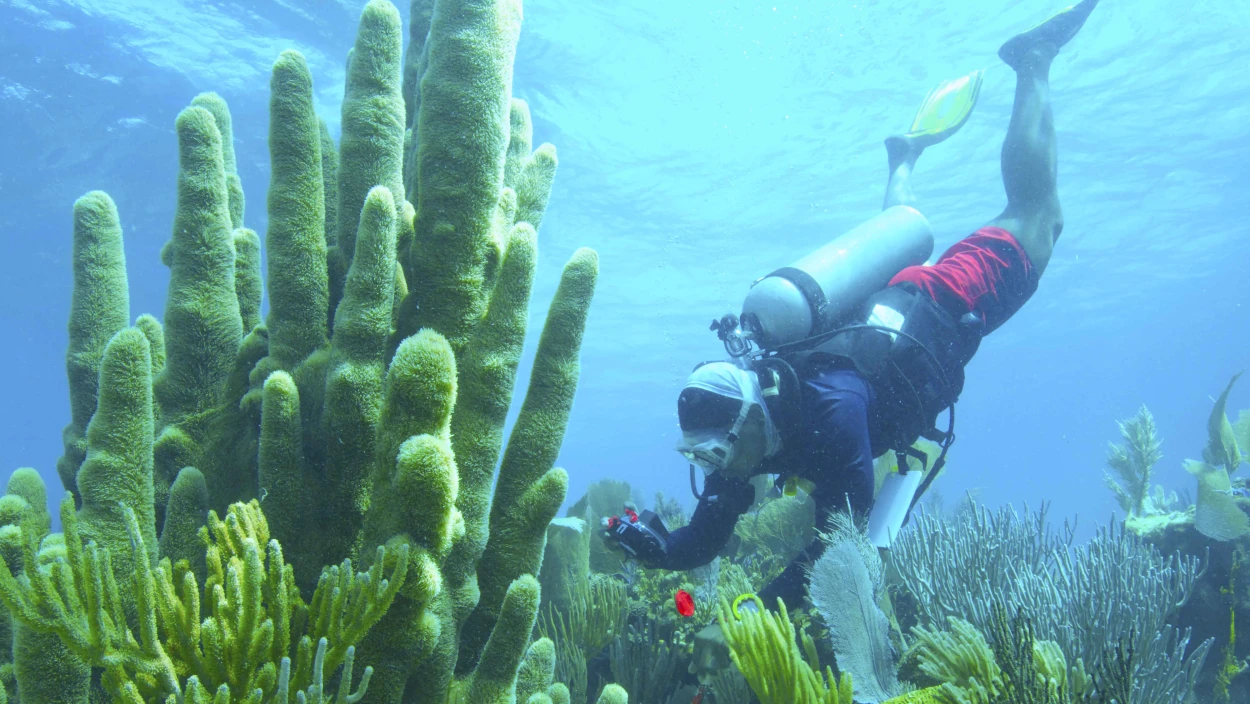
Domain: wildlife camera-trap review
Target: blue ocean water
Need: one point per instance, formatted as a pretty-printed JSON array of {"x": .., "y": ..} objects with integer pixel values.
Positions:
[{"x": 704, "y": 143}]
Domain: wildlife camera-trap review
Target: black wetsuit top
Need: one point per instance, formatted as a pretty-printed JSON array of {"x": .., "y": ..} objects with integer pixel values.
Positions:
[{"x": 831, "y": 449}]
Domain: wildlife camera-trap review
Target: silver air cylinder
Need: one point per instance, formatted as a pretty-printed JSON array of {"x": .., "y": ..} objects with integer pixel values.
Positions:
[{"x": 829, "y": 284}]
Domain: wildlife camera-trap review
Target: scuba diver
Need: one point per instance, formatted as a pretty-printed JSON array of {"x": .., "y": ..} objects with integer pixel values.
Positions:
[{"x": 856, "y": 349}]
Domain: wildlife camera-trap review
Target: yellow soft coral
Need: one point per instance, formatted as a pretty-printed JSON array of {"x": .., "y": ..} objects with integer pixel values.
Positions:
[
  {"x": 763, "y": 645},
  {"x": 241, "y": 647}
]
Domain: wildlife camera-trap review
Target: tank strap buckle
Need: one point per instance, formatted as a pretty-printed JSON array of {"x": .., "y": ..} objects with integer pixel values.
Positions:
[{"x": 811, "y": 291}]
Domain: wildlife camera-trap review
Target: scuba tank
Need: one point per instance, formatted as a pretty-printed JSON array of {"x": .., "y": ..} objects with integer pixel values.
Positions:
[
  {"x": 835, "y": 302},
  {"x": 830, "y": 284}
]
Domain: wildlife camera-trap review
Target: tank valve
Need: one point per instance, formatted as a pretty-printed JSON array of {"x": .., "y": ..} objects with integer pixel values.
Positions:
[{"x": 737, "y": 341}]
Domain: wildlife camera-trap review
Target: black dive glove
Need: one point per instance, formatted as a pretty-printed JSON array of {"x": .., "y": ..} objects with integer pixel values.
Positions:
[{"x": 640, "y": 536}]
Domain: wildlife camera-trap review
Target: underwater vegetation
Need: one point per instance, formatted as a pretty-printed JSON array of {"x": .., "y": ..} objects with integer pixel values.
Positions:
[
  {"x": 979, "y": 606},
  {"x": 612, "y": 620},
  {"x": 1116, "y": 593},
  {"x": 358, "y": 425},
  {"x": 1214, "y": 529}
]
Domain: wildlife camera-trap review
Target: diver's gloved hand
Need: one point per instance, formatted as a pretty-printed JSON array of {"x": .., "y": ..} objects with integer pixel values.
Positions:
[
  {"x": 710, "y": 655},
  {"x": 632, "y": 537}
]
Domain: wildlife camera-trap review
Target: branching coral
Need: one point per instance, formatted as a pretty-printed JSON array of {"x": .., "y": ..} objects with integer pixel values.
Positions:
[
  {"x": 1113, "y": 589},
  {"x": 595, "y": 617},
  {"x": 243, "y": 647},
  {"x": 764, "y": 646},
  {"x": 1017, "y": 654},
  {"x": 1133, "y": 463},
  {"x": 961, "y": 660},
  {"x": 1032, "y": 671}
]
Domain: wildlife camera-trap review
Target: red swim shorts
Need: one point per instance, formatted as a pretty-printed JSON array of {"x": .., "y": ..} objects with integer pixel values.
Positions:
[{"x": 987, "y": 272}]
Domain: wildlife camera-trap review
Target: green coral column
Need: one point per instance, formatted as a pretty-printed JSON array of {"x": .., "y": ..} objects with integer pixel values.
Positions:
[
  {"x": 414, "y": 491},
  {"x": 416, "y": 56},
  {"x": 248, "y": 282},
  {"x": 372, "y": 145},
  {"x": 100, "y": 307},
  {"x": 203, "y": 324},
  {"x": 613, "y": 694},
  {"x": 185, "y": 513},
  {"x": 537, "y": 670},
  {"x": 225, "y": 126},
  {"x": 529, "y": 174},
  {"x": 296, "y": 239},
  {"x": 461, "y": 151},
  {"x": 117, "y": 473},
  {"x": 288, "y": 496},
  {"x": 529, "y": 491},
  {"x": 495, "y": 680},
  {"x": 355, "y": 376},
  {"x": 487, "y": 369}
]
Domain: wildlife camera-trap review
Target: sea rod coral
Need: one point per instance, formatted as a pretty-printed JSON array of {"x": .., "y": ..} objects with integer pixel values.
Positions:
[{"x": 367, "y": 408}]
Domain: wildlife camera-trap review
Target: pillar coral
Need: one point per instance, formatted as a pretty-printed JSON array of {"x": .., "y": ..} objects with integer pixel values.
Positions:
[{"x": 368, "y": 407}]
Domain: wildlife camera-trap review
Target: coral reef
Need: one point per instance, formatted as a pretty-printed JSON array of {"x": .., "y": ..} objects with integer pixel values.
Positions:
[
  {"x": 959, "y": 660},
  {"x": 647, "y": 663},
  {"x": 1133, "y": 463},
  {"x": 239, "y": 650},
  {"x": 773, "y": 533},
  {"x": 1215, "y": 530},
  {"x": 366, "y": 410},
  {"x": 1220, "y": 512},
  {"x": 1115, "y": 590},
  {"x": 604, "y": 498},
  {"x": 566, "y": 560},
  {"x": 594, "y": 617},
  {"x": 765, "y": 649}
]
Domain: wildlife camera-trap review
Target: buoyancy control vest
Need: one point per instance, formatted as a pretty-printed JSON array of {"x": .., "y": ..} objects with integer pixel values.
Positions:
[
  {"x": 909, "y": 349},
  {"x": 833, "y": 307},
  {"x": 912, "y": 352}
]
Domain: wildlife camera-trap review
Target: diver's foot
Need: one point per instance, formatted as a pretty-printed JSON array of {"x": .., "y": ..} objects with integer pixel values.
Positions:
[
  {"x": 1045, "y": 40},
  {"x": 902, "y": 149}
]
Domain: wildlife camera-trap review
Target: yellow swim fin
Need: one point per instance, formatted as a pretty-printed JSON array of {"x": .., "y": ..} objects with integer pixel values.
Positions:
[{"x": 945, "y": 109}]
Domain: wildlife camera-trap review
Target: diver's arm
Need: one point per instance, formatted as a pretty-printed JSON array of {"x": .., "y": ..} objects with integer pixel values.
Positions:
[{"x": 697, "y": 543}]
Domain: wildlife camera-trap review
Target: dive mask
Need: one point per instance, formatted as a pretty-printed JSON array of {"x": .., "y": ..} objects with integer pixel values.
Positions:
[
  {"x": 712, "y": 409},
  {"x": 710, "y": 449}
]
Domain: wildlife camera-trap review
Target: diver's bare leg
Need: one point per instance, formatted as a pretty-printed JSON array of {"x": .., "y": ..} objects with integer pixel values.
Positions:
[
  {"x": 1033, "y": 213},
  {"x": 902, "y": 159},
  {"x": 945, "y": 109}
]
